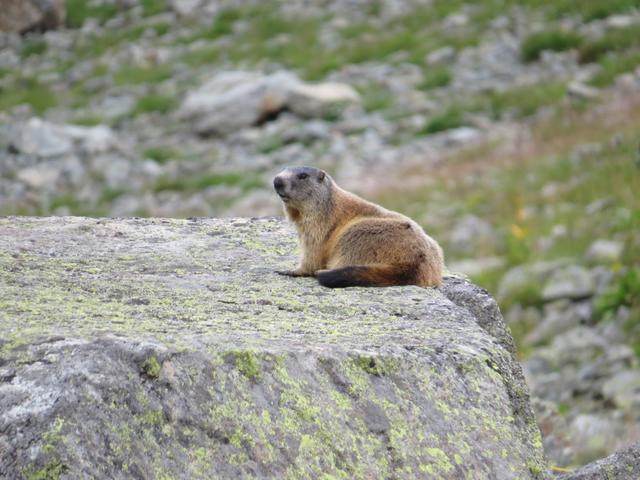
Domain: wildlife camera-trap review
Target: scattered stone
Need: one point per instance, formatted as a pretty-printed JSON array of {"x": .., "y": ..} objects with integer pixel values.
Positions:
[
  {"x": 186, "y": 7},
  {"x": 528, "y": 317},
  {"x": 440, "y": 56},
  {"x": 580, "y": 90},
  {"x": 40, "y": 177},
  {"x": 592, "y": 435},
  {"x": 307, "y": 132},
  {"x": 91, "y": 139},
  {"x": 604, "y": 251},
  {"x": 559, "y": 317},
  {"x": 40, "y": 138},
  {"x": 43, "y": 139},
  {"x": 474, "y": 267},
  {"x": 621, "y": 21},
  {"x": 455, "y": 20},
  {"x": 460, "y": 136},
  {"x": 573, "y": 282},
  {"x": 624, "y": 390},
  {"x": 320, "y": 100},
  {"x": 524, "y": 278},
  {"x": 471, "y": 234},
  {"x": 555, "y": 433}
]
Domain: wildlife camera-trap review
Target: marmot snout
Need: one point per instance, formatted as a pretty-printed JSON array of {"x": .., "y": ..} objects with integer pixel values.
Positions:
[{"x": 347, "y": 241}]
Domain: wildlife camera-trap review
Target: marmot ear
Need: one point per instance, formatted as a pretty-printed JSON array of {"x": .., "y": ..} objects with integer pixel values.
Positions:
[{"x": 321, "y": 176}]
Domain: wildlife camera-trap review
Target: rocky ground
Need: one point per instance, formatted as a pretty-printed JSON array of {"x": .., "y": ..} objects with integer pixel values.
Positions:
[{"x": 508, "y": 129}]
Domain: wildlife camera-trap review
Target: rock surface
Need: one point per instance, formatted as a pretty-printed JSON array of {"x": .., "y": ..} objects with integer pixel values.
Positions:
[
  {"x": 170, "y": 348},
  {"x": 622, "y": 465}
]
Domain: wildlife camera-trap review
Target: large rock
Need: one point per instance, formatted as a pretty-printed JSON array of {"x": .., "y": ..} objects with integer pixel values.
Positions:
[
  {"x": 170, "y": 349},
  {"x": 622, "y": 465},
  {"x": 23, "y": 16},
  {"x": 238, "y": 99}
]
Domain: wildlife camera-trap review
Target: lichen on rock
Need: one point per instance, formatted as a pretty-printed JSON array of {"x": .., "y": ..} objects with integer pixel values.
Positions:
[{"x": 170, "y": 349}]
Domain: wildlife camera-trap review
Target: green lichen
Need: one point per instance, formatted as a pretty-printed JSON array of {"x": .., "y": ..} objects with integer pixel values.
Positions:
[
  {"x": 51, "y": 471},
  {"x": 535, "y": 467},
  {"x": 53, "y": 437},
  {"x": 441, "y": 460},
  {"x": 152, "y": 417},
  {"x": 247, "y": 364},
  {"x": 151, "y": 367},
  {"x": 371, "y": 365}
]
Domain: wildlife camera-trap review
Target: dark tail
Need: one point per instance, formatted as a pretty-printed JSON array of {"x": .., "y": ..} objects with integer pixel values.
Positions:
[{"x": 367, "y": 276}]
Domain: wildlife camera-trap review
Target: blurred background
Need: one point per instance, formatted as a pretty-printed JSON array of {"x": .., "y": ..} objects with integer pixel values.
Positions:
[{"x": 509, "y": 129}]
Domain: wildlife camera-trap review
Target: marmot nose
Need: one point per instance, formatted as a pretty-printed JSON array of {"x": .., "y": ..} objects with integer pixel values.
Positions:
[{"x": 278, "y": 183}]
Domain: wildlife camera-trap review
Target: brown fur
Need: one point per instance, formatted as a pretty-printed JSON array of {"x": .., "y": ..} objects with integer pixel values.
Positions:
[{"x": 348, "y": 241}]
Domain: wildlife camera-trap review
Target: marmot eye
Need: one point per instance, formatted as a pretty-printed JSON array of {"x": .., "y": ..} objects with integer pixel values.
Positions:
[{"x": 302, "y": 176}]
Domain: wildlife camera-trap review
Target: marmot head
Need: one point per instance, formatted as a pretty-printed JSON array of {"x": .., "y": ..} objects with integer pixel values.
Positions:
[{"x": 300, "y": 187}]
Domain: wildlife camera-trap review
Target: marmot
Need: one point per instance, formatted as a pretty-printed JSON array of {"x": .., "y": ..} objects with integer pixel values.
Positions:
[{"x": 347, "y": 241}]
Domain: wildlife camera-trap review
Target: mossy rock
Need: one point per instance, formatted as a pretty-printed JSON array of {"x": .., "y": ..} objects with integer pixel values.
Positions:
[{"x": 159, "y": 348}]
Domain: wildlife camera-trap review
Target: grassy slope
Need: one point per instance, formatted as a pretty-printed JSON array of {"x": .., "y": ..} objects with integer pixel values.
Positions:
[{"x": 506, "y": 187}]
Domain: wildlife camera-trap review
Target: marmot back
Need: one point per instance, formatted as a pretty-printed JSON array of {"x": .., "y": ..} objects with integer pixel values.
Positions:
[{"x": 347, "y": 241}]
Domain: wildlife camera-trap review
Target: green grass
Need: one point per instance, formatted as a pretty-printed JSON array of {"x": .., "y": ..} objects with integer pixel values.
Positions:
[
  {"x": 202, "y": 56},
  {"x": 223, "y": 23},
  {"x": 615, "y": 40},
  {"x": 302, "y": 49},
  {"x": 90, "y": 120},
  {"x": 128, "y": 75},
  {"x": 153, "y": 7},
  {"x": 588, "y": 10},
  {"x": 523, "y": 101},
  {"x": 452, "y": 118},
  {"x": 435, "y": 77},
  {"x": 615, "y": 178},
  {"x": 30, "y": 92},
  {"x": 33, "y": 46},
  {"x": 68, "y": 200},
  {"x": 501, "y": 196},
  {"x": 611, "y": 67},
  {"x": 160, "y": 154},
  {"x": 161, "y": 28},
  {"x": 415, "y": 35},
  {"x": 624, "y": 293},
  {"x": 78, "y": 11},
  {"x": 245, "y": 181},
  {"x": 555, "y": 40},
  {"x": 108, "y": 195},
  {"x": 269, "y": 144},
  {"x": 94, "y": 45},
  {"x": 375, "y": 97},
  {"x": 154, "y": 103}
]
